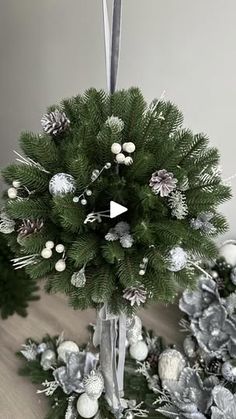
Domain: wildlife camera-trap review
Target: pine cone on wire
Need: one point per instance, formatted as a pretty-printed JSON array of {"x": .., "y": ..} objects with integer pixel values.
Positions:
[
  {"x": 29, "y": 227},
  {"x": 136, "y": 295},
  {"x": 55, "y": 122}
]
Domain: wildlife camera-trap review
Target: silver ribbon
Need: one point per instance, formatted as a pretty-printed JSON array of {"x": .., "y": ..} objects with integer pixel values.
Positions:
[
  {"x": 105, "y": 335},
  {"x": 78, "y": 365},
  {"x": 112, "y": 49}
]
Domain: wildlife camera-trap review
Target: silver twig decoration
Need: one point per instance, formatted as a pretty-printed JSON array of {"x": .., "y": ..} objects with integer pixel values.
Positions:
[
  {"x": 29, "y": 162},
  {"x": 23, "y": 261}
]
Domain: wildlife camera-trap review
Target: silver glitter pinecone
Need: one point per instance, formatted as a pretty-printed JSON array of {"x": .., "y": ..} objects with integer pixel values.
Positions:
[
  {"x": 162, "y": 182},
  {"x": 94, "y": 384},
  {"x": 28, "y": 227},
  {"x": 136, "y": 295},
  {"x": 55, "y": 123}
]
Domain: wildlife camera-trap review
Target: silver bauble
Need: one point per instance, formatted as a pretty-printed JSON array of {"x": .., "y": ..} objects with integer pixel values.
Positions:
[
  {"x": 94, "y": 384},
  {"x": 229, "y": 371},
  {"x": 170, "y": 365},
  {"x": 48, "y": 359},
  {"x": 62, "y": 184},
  {"x": 78, "y": 279},
  {"x": 177, "y": 259}
]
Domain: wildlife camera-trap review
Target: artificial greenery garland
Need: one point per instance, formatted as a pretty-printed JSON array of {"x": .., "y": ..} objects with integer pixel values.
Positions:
[
  {"x": 97, "y": 148},
  {"x": 197, "y": 382}
]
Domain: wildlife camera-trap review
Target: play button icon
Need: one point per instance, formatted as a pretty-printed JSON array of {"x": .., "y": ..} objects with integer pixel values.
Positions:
[{"x": 116, "y": 209}]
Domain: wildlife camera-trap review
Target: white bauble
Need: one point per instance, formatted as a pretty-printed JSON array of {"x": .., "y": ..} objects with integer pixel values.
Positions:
[
  {"x": 129, "y": 147},
  {"x": 62, "y": 184},
  {"x": 16, "y": 183},
  {"x": 48, "y": 359},
  {"x": 228, "y": 251},
  {"x": 116, "y": 148},
  {"x": 87, "y": 408},
  {"x": 46, "y": 253},
  {"x": 49, "y": 244},
  {"x": 60, "y": 248},
  {"x": 139, "y": 350},
  {"x": 60, "y": 266},
  {"x": 128, "y": 161},
  {"x": 170, "y": 365},
  {"x": 120, "y": 158},
  {"x": 12, "y": 193},
  {"x": 66, "y": 348}
]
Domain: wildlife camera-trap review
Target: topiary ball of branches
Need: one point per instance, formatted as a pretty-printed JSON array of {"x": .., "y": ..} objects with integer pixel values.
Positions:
[{"x": 97, "y": 148}]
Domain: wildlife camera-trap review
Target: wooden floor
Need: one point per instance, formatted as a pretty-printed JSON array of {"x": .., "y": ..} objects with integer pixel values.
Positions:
[{"x": 18, "y": 398}]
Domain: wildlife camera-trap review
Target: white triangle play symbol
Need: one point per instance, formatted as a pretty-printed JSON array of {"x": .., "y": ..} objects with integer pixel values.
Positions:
[{"x": 116, "y": 209}]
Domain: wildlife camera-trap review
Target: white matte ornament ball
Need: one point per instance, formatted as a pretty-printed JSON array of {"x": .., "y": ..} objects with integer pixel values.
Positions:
[
  {"x": 83, "y": 201},
  {"x": 46, "y": 253},
  {"x": 66, "y": 348},
  {"x": 60, "y": 248},
  {"x": 87, "y": 408},
  {"x": 62, "y": 184},
  {"x": 228, "y": 251},
  {"x": 116, "y": 148},
  {"x": 129, "y": 147},
  {"x": 142, "y": 272},
  {"x": 139, "y": 350},
  {"x": 60, "y": 266},
  {"x": 120, "y": 158},
  {"x": 12, "y": 193},
  {"x": 128, "y": 161},
  {"x": 16, "y": 183},
  {"x": 49, "y": 244}
]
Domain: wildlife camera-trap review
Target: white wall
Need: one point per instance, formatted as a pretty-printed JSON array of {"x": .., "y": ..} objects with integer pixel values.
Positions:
[{"x": 54, "y": 48}]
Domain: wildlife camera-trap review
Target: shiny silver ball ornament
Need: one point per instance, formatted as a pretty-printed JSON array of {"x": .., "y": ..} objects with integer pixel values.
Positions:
[
  {"x": 65, "y": 349},
  {"x": 48, "y": 359},
  {"x": 62, "y": 184}
]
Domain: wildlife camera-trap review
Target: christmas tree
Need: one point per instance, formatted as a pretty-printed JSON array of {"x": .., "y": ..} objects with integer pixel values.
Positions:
[{"x": 17, "y": 289}]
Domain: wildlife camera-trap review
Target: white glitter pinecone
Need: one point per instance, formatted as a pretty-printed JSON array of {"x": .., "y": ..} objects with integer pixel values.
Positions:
[
  {"x": 55, "y": 122},
  {"x": 94, "y": 384}
]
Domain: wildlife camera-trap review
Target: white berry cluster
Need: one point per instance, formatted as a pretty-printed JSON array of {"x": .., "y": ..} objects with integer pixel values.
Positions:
[
  {"x": 46, "y": 253},
  {"x": 12, "y": 192},
  {"x": 121, "y": 158}
]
